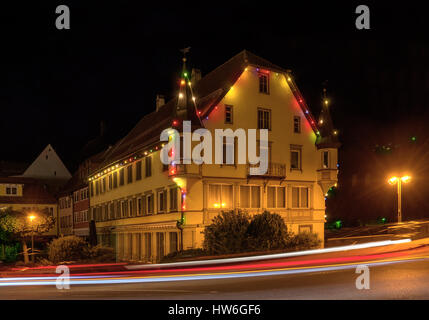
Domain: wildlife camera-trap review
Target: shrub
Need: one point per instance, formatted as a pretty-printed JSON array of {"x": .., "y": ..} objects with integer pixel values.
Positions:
[
  {"x": 304, "y": 241},
  {"x": 227, "y": 233},
  {"x": 69, "y": 248},
  {"x": 102, "y": 254},
  {"x": 267, "y": 231}
]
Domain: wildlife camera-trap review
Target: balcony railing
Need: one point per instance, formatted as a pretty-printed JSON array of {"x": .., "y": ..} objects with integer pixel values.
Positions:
[{"x": 275, "y": 170}]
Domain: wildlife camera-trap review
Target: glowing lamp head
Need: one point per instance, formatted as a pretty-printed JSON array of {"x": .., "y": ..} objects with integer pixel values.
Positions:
[
  {"x": 405, "y": 179},
  {"x": 392, "y": 180},
  {"x": 182, "y": 82},
  {"x": 31, "y": 217}
]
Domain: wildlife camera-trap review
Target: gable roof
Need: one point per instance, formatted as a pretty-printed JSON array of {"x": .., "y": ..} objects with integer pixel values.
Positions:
[
  {"x": 209, "y": 91},
  {"x": 47, "y": 165}
]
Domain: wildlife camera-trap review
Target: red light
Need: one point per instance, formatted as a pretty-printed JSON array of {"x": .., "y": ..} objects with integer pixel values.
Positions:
[
  {"x": 199, "y": 112},
  {"x": 175, "y": 123}
]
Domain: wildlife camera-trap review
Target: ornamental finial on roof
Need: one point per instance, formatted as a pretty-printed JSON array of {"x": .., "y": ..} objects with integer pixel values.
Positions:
[{"x": 185, "y": 51}]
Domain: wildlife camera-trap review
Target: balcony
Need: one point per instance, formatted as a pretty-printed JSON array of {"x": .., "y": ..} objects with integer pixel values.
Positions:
[{"x": 275, "y": 171}]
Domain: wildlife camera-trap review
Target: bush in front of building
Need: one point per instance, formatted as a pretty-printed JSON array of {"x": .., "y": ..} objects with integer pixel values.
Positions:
[
  {"x": 69, "y": 248},
  {"x": 227, "y": 233},
  {"x": 267, "y": 231},
  {"x": 99, "y": 253},
  {"x": 235, "y": 232},
  {"x": 304, "y": 241}
]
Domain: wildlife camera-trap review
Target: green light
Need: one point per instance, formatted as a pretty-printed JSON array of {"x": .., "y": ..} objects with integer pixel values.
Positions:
[
  {"x": 413, "y": 138},
  {"x": 185, "y": 74},
  {"x": 383, "y": 220},
  {"x": 338, "y": 224}
]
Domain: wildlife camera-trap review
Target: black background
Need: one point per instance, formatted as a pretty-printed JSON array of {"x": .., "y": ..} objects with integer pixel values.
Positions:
[{"x": 56, "y": 86}]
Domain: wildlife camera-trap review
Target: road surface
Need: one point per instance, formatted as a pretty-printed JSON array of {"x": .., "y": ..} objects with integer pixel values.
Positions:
[{"x": 397, "y": 277}]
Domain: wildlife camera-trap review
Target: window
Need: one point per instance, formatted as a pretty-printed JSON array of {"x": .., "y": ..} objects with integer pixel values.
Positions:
[
  {"x": 130, "y": 173},
  {"x": 149, "y": 204},
  {"x": 121, "y": 177},
  {"x": 11, "y": 190},
  {"x": 139, "y": 170},
  {"x": 173, "y": 242},
  {"x": 112, "y": 211},
  {"x": 263, "y": 83},
  {"x": 148, "y": 166},
  {"x": 148, "y": 245},
  {"x": 162, "y": 201},
  {"x": 104, "y": 185},
  {"x": 139, "y": 206},
  {"x": 160, "y": 244},
  {"x": 276, "y": 197},
  {"x": 264, "y": 119},
  {"x": 123, "y": 209},
  {"x": 295, "y": 158},
  {"x": 325, "y": 159},
  {"x": 115, "y": 179},
  {"x": 130, "y": 208},
  {"x": 110, "y": 182},
  {"x": 118, "y": 209},
  {"x": 229, "y": 152},
  {"x": 173, "y": 199},
  {"x": 297, "y": 124},
  {"x": 97, "y": 187},
  {"x": 250, "y": 197},
  {"x": 299, "y": 197},
  {"x": 220, "y": 196},
  {"x": 228, "y": 114}
]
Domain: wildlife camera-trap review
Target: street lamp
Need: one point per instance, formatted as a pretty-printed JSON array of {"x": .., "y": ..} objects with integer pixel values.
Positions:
[
  {"x": 399, "y": 181},
  {"x": 31, "y": 218}
]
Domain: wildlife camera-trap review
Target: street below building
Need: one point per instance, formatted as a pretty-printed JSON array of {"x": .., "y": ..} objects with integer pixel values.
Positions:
[{"x": 393, "y": 275}]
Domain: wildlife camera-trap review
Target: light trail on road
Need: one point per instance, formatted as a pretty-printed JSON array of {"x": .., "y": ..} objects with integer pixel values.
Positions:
[{"x": 118, "y": 279}]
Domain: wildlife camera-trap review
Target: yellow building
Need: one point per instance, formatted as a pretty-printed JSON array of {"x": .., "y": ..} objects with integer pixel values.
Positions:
[{"x": 146, "y": 209}]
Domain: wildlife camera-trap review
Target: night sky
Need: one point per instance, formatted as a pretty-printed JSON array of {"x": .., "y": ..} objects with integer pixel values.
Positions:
[{"x": 56, "y": 86}]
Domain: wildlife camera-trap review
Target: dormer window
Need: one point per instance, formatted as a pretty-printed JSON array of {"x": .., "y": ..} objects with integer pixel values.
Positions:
[
  {"x": 325, "y": 159},
  {"x": 263, "y": 83}
]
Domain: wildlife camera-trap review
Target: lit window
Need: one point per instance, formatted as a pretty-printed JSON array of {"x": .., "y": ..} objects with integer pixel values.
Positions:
[
  {"x": 263, "y": 83},
  {"x": 295, "y": 158},
  {"x": 325, "y": 159},
  {"x": 220, "y": 196},
  {"x": 299, "y": 197},
  {"x": 228, "y": 114},
  {"x": 264, "y": 119},
  {"x": 250, "y": 196},
  {"x": 276, "y": 197},
  {"x": 297, "y": 124}
]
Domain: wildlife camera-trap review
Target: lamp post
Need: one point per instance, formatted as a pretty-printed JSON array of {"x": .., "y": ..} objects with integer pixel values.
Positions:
[
  {"x": 31, "y": 218},
  {"x": 398, "y": 181}
]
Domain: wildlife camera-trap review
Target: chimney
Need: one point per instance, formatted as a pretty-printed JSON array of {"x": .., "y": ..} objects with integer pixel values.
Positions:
[
  {"x": 195, "y": 75},
  {"x": 160, "y": 101}
]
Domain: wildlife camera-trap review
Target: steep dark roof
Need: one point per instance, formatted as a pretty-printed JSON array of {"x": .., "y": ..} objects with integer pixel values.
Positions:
[
  {"x": 12, "y": 168},
  {"x": 34, "y": 192},
  {"x": 209, "y": 91}
]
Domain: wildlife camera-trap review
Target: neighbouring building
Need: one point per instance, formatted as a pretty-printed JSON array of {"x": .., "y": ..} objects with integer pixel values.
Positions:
[
  {"x": 28, "y": 195},
  {"x": 34, "y": 189},
  {"x": 145, "y": 209},
  {"x": 73, "y": 200}
]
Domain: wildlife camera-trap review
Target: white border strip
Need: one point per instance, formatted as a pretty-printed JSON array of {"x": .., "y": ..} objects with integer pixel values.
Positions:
[{"x": 266, "y": 257}]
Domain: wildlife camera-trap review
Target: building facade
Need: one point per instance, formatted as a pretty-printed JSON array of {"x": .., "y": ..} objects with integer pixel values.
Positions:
[
  {"x": 145, "y": 209},
  {"x": 28, "y": 195},
  {"x": 65, "y": 214}
]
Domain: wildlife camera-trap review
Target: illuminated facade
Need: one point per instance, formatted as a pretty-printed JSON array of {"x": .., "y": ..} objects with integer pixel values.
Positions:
[{"x": 146, "y": 209}]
